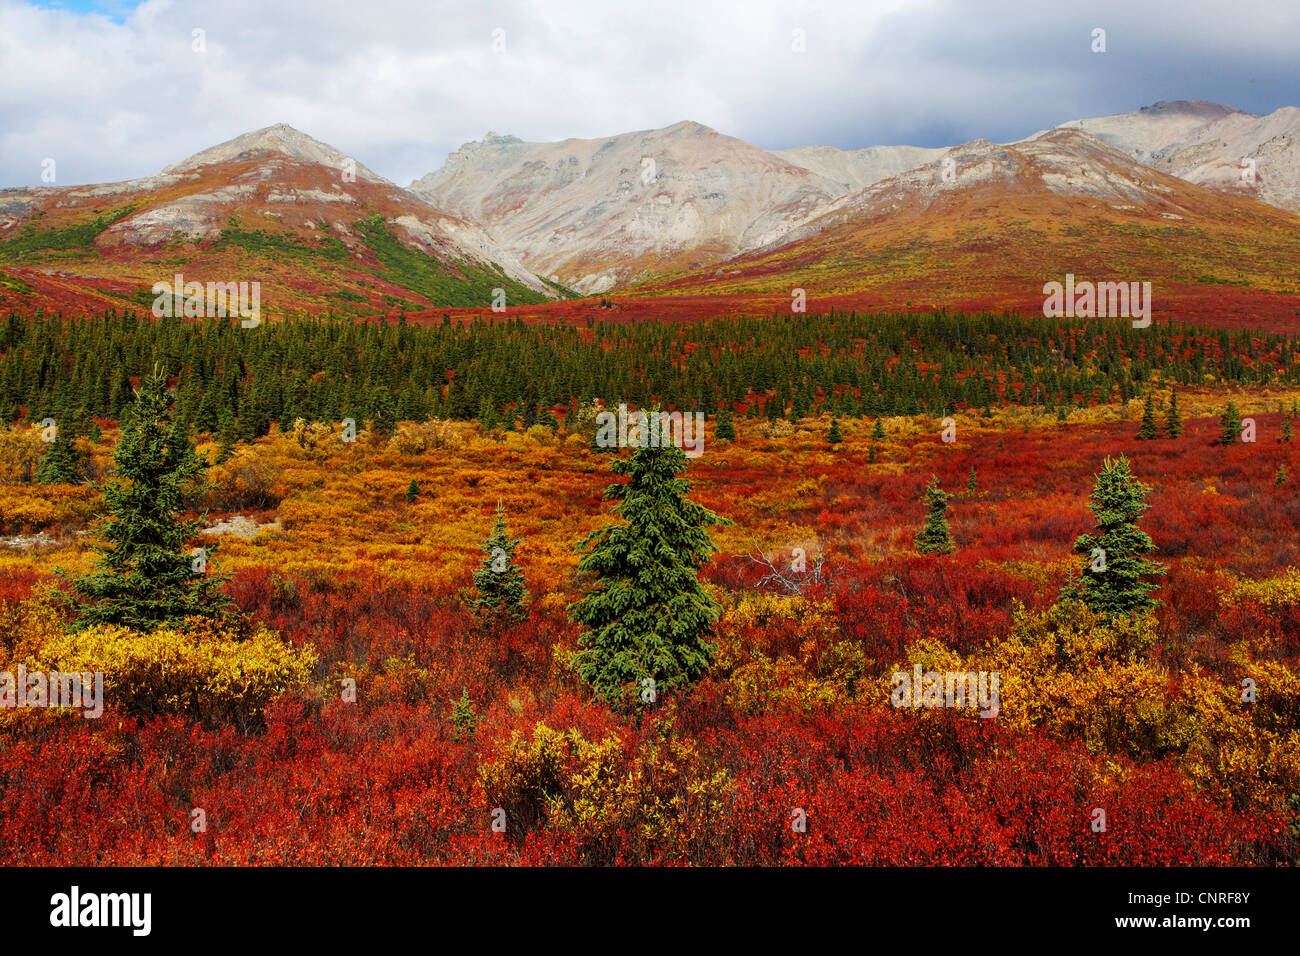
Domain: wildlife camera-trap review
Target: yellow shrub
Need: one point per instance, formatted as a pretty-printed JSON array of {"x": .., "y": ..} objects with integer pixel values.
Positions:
[
  {"x": 1281, "y": 591},
  {"x": 665, "y": 798},
  {"x": 26, "y": 627},
  {"x": 311, "y": 435},
  {"x": 1121, "y": 708},
  {"x": 759, "y": 619},
  {"x": 1247, "y": 752},
  {"x": 765, "y": 684},
  {"x": 208, "y": 676},
  {"x": 29, "y": 508},
  {"x": 412, "y": 438},
  {"x": 781, "y": 653},
  {"x": 527, "y": 774},
  {"x": 20, "y": 452},
  {"x": 662, "y": 797},
  {"x": 250, "y": 478},
  {"x": 541, "y": 434},
  {"x": 1074, "y": 638}
]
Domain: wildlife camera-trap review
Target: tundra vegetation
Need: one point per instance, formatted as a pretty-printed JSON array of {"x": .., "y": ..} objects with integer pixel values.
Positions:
[{"x": 442, "y": 603}]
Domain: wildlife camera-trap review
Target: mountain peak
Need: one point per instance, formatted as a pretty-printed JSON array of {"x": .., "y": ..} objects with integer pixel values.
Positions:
[
  {"x": 282, "y": 139},
  {"x": 690, "y": 127}
]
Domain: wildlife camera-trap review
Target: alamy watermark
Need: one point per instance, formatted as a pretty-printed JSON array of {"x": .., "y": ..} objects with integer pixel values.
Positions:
[
  {"x": 75, "y": 908},
  {"x": 215, "y": 300},
  {"x": 75, "y": 690},
  {"x": 974, "y": 689},
  {"x": 1088, "y": 300},
  {"x": 624, "y": 429}
]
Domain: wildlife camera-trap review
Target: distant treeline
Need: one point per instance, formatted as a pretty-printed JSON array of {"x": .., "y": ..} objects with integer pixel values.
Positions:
[{"x": 238, "y": 381}]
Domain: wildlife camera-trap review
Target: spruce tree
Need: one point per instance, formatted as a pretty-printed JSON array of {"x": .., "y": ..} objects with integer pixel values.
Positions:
[
  {"x": 934, "y": 537},
  {"x": 726, "y": 426},
  {"x": 227, "y": 435},
  {"x": 1173, "y": 422},
  {"x": 1112, "y": 580},
  {"x": 775, "y": 408},
  {"x": 412, "y": 490},
  {"x": 1286, "y": 430},
  {"x": 833, "y": 437},
  {"x": 1230, "y": 425},
  {"x": 648, "y": 618},
  {"x": 205, "y": 417},
  {"x": 800, "y": 406},
  {"x": 60, "y": 465},
  {"x": 970, "y": 481},
  {"x": 878, "y": 432},
  {"x": 1149, "y": 429},
  {"x": 498, "y": 580},
  {"x": 144, "y": 575},
  {"x": 383, "y": 412},
  {"x": 1281, "y": 478}
]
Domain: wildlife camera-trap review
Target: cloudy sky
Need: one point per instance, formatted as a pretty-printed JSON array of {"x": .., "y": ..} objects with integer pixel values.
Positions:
[{"x": 112, "y": 89}]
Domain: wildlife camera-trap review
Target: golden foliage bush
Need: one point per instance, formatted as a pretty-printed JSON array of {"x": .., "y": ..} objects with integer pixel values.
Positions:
[
  {"x": 780, "y": 652},
  {"x": 1248, "y": 752},
  {"x": 207, "y": 673},
  {"x": 1278, "y": 592},
  {"x": 249, "y": 478},
  {"x": 528, "y": 774},
  {"x": 30, "y": 508},
  {"x": 667, "y": 796},
  {"x": 662, "y": 796},
  {"x": 20, "y": 452},
  {"x": 311, "y": 436},
  {"x": 414, "y": 438},
  {"x": 25, "y": 628}
]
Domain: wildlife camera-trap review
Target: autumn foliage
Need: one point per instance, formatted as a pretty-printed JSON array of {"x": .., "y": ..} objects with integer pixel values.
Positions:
[{"x": 360, "y": 714}]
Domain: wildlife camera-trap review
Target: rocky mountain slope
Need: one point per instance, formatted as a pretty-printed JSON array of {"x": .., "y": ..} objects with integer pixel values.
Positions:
[
  {"x": 1213, "y": 146},
  {"x": 583, "y": 212},
  {"x": 315, "y": 228},
  {"x": 1156, "y": 195},
  {"x": 600, "y": 213},
  {"x": 990, "y": 224}
]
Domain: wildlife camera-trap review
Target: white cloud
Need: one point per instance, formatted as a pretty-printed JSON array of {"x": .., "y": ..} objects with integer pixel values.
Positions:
[{"x": 401, "y": 84}]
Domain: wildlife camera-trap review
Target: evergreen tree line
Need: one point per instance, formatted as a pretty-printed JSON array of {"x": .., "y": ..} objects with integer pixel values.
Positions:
[{"x": 235, "y": 382}]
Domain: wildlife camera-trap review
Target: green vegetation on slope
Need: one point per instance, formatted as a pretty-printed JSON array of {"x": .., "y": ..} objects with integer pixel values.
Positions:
[
  {"x": 273, "y": 244},
  {"x": 468, "y": 285},
  {"x": 75, "y": 239}
]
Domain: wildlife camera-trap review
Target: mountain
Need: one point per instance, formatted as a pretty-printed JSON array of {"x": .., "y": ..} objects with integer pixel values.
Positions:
[
  {"x": 1212, "y": 145},
  {"x": 599, "y": 213},
  {"x": 689, "y": 215},
  {"x": 275, "y": 206},
  {"x": 580, "y": 212},
  {"x": 988, "y": 225}
]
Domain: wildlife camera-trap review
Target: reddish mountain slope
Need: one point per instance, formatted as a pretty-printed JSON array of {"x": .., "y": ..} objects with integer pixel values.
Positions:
[
  {"x": 273, "y": 206},
  {"x": 1005, "y": 220}
]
